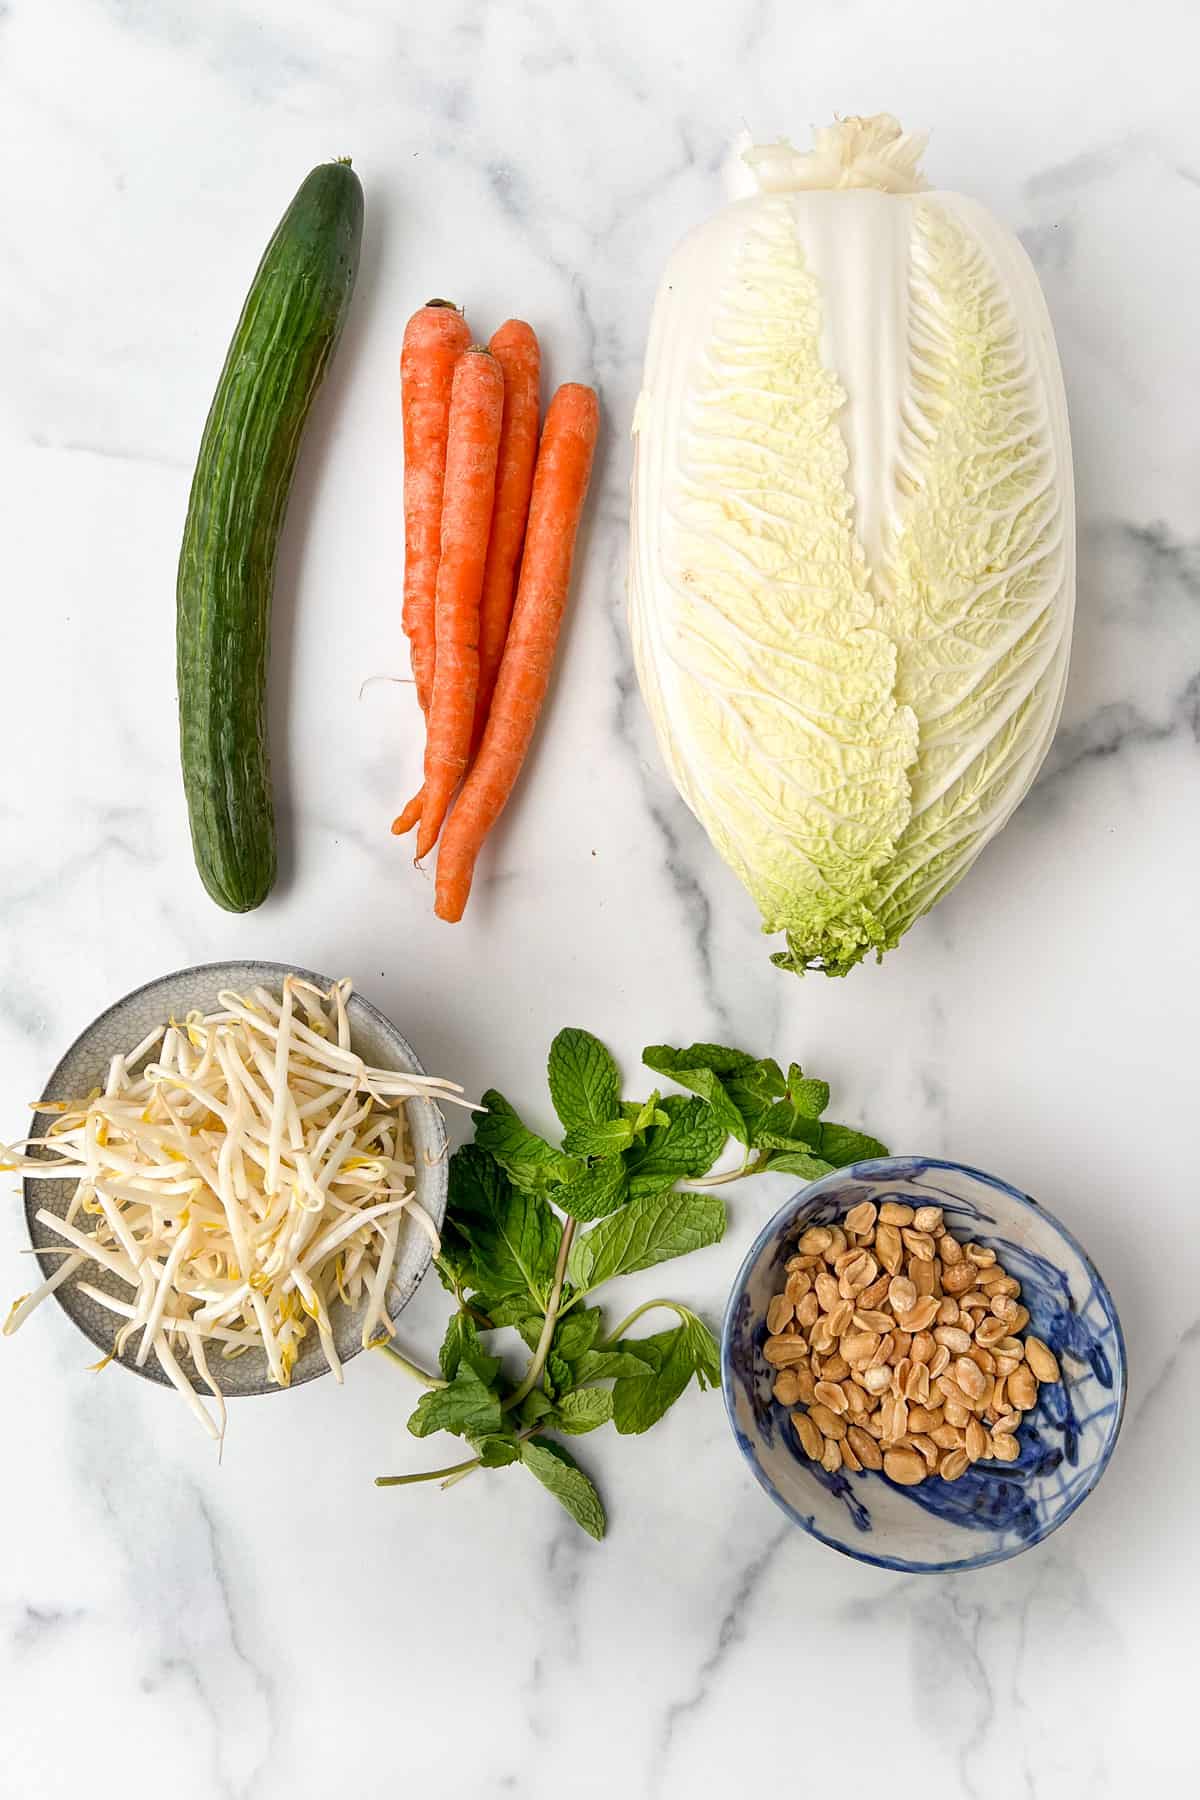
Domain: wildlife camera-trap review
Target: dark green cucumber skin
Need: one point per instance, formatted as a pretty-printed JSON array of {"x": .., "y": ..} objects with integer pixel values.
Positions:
[{"x": 285, "y": 338}]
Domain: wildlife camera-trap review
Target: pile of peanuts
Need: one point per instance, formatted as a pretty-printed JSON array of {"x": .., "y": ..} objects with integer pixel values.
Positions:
[{"x": 904, "y": 1345}]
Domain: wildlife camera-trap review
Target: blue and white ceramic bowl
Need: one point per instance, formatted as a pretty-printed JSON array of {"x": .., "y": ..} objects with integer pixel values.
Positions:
[{"x": 996, "y": 1509}]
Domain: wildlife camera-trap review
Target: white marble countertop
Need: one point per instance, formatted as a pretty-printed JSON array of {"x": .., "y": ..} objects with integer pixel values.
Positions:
[{"x": 277, "y": 1627}]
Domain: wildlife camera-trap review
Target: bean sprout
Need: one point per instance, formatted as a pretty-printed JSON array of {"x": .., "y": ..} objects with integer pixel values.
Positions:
[{"x": 253, "y": 1173}]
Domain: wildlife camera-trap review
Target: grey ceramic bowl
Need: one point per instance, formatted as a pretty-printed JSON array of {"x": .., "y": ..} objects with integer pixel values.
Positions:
[
  {"x": 128, "y": 1021},
  {"x": 996, "y": 1509}
]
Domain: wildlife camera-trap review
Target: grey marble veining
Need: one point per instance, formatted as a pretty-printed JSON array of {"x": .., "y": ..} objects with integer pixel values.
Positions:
[{"x": 275, "y": 1626}]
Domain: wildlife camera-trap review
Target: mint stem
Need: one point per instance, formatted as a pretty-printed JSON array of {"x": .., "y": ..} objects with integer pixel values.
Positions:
[
  {"x": 538, "y": 1361},
  {"x": 647, "y": 1306},
  {"x": 411, "y": 1368},
  {"x": 752, "y": 1166},
  {"x": 427, "y": 1474},
  {"x": 460, "y": 1474},
  {"x": 448, "y": 1476}
]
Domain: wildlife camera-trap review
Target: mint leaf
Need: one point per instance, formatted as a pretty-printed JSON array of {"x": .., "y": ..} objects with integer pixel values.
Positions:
[
  {"x": 840, "y": 1145},
  {"x": 781, "y": 1127},
  {"x": 558, "y": 1450},
  {"x": 461, "y": 1344},
  {"x": 605, "y": 1365},
  {"x": 640, "y": 1400},
  {"x": 686, "y": 1147},
  {"x": 600, "y": 1191},
  {"x": 794, "y": 1122},
  {"x": 558, "y": 1374},
  {"x": 642, "y": 1114},
  {"x": 453, "y": 1261},
  {"x": 650, "y": 1113},
  {"x": 521, "y": 1311},
  {"x": 646, "y": 1231},
  {"x": 706, "y": 1352},
  {"x": 584, "y": 1410},
  {"x": 797, "y": 1162},
  {"x": 809, "y": 1096},
  {"x": 585, "y": 1085},
  {"x": 526, "y": 1159},
  {"x": 718, "y": 1059},
  {"x": 814, "y": 1149},
  {"x": 467, "y": 1405},
  {"x": 671, "y": 1359},
  {"x": 535, "y": 1407},
  {"x": 700, "y": 1068},
  {"x": 498, "y": 1452},
  {"x": 606, "y": 1139},
  {"x": 753, "y": 1090},
  {"x": 764, "y": 1077},
  {"x": 577, "y": 1333},
  {"x": 567, "y": 1482},
  {"x": 512, "y": 1233},
  {"x": 477, "y": 1183},
  {"x": 529, "y": 1327}
]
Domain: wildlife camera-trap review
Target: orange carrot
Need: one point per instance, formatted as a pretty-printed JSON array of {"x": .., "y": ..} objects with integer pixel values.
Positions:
[
  {"x": 515, "y": 348},
  {"x": 434, "y": 339},
  {"x": 404, "y": 821},
  {"x": 560, "y": 481},
  {"x": 472, "y": 445}
]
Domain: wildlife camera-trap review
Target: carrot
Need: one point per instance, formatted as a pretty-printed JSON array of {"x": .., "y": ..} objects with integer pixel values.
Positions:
[
  {"x": 564, "y": 464},
  {"x": 404, "y": 821},
  {"x": 472, "y": 445},
  {"x": 434, "y": 339},
  {"x": 515, "y": 348}
]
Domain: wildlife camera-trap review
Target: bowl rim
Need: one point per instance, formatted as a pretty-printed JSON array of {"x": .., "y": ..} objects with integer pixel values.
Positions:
[
  {"x": 439, "y": 1169},
  {"x": 882, "y": 1167}
]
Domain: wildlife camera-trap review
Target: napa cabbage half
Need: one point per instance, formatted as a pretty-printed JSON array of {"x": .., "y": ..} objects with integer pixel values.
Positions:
[{"x": 852, "y": 573}]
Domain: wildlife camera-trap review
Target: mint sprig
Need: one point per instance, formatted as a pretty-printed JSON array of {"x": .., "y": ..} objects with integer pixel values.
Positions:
[{"x": 533, "y": 1229}]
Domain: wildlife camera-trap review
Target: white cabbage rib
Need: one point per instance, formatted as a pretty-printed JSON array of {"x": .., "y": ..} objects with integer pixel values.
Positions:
[{"x": 851, "y": 629}]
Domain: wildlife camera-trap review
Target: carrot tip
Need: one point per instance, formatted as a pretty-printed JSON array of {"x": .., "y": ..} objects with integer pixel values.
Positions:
[{"x": 409, "y": 817}]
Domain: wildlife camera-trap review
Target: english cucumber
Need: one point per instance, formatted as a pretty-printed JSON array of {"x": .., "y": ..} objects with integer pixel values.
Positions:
[{"x": 285, "y": 338}]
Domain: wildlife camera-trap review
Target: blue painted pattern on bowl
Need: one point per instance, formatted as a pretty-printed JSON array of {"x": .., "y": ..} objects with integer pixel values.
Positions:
[{"x": 995, "y": 1510}]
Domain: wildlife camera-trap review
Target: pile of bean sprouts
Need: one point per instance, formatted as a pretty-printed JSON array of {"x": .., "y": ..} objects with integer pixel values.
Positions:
[{"x": 252, "y": 1171}]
